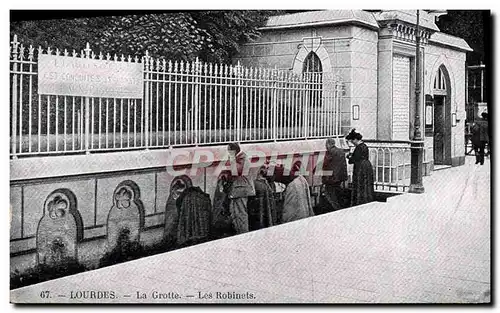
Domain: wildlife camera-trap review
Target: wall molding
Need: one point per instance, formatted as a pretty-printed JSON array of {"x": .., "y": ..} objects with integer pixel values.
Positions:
[
  {"x": 404, "y": 48},
  {"x": 443, "y": 60}
]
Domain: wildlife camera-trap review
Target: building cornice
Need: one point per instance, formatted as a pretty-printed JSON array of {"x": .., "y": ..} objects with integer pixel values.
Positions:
[{"x": 404, "y": 32}]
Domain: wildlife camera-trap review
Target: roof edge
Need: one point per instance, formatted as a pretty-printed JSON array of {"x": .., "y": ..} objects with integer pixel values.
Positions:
[
  {"x": 454, "y": 42},
  {"x": 353, "y": 21}
]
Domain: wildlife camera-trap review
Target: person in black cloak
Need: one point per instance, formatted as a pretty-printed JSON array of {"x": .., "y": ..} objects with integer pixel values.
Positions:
[
  {"x": 362, "y": 176},
  {"x": 177, "y": 187},
  {"x": 221, "y": 222},
  {"x": 195, "y": 209},
  {"x": 336, "y": 163},
  {"x": 480, "y": 137},
  {"x": 262, "y": 207}
]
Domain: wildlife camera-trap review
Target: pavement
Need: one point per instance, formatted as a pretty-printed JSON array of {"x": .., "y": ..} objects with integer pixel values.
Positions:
[{"x": 416, "y": 248}]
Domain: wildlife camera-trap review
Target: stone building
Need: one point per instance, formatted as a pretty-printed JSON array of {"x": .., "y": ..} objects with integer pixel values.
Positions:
[{"x": 373, "y": 53}]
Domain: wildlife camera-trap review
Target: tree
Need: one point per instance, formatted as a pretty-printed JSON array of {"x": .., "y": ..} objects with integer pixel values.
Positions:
[
  {"x": 228, "y": 29},
  {"x": 471, "y": 25},
  {"x": 210, "y": 35},
  {"x": 168, "y": 35},
  {"x": 66, "y": 33}
]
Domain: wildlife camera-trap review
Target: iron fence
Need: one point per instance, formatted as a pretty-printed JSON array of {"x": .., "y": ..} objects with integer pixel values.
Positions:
[
  {"x": 184, "y": 103},
  {"x": 391, "y": 163}
]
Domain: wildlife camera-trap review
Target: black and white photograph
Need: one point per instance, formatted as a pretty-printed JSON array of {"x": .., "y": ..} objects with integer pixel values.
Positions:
[{"x": 216, "y": 156}]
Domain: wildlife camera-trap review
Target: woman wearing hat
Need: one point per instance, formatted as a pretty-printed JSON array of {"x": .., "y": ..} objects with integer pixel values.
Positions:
[{"x": 362, "y": 178}]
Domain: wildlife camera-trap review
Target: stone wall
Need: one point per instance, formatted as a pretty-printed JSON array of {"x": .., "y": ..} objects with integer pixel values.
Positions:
[
  {"x": 105, "y": 202},
  {"x": 364, "y": 64}
]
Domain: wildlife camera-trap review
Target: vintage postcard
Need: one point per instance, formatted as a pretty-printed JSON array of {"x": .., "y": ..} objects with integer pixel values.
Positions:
[{"x": 262, "y": 156}]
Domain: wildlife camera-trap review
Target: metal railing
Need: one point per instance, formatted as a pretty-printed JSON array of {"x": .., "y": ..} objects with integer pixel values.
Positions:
[
  {"x": 391, "y": 163},
  {"x": 184, "y": 103}
]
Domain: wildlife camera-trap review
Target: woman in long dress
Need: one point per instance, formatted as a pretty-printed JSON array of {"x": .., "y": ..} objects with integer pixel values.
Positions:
[{"x": 362, "y": 177}]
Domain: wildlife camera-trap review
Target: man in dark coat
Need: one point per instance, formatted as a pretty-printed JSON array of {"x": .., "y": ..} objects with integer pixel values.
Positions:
[
  {"x": 335, "y": 162},
  {"x": 480, "y": 137}
]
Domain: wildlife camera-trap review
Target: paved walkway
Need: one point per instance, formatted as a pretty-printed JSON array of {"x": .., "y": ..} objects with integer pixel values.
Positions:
[{"x": 433, "y": 247}]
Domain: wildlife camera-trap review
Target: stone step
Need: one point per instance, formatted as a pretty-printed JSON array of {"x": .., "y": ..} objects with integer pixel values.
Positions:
[{"x": 441, "y": 167}]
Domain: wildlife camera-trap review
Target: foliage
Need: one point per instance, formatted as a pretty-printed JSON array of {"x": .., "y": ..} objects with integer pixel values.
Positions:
[
  {"x": 61, "y": 33},
  {"x": 227, "y": 29},
  {"x": 210, "y": 35},
  {"x": 471, "y": 25},
  {"x": 171, "y": 35}
]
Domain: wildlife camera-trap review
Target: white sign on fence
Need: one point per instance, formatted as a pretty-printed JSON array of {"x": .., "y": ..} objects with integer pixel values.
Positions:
[{"x": 70, "y": 76}]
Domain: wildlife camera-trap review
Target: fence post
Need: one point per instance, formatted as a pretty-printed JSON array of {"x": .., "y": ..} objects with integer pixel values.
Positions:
[
  {"x": 336, "y": 101},
  {"x": 275, "y": 103},
  {"x": 87, "y": 108},
  {"x": 87, "y": 125},
  {"x": 306, "y": 105},
  {"x": 15, "y": 45},
  {"x": 146, "y": 100},
  {"x": 196, "y": 108},
  {"x": 238, "y": 103}
]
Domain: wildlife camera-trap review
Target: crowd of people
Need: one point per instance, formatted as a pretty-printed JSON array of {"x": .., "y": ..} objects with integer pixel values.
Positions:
[{"x": 242, "y": 204}]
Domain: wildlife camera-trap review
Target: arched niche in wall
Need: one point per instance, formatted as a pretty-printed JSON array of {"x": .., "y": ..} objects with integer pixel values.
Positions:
[
  {"x": 126, "y": 216},
  {"x": 312, "y": 45},
  {"x": 59, "y": 230},
  {"x": 312, "y": 63}
]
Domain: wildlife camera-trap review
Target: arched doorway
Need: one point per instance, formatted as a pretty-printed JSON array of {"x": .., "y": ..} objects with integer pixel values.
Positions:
[{"x": 442, "y": 117}]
